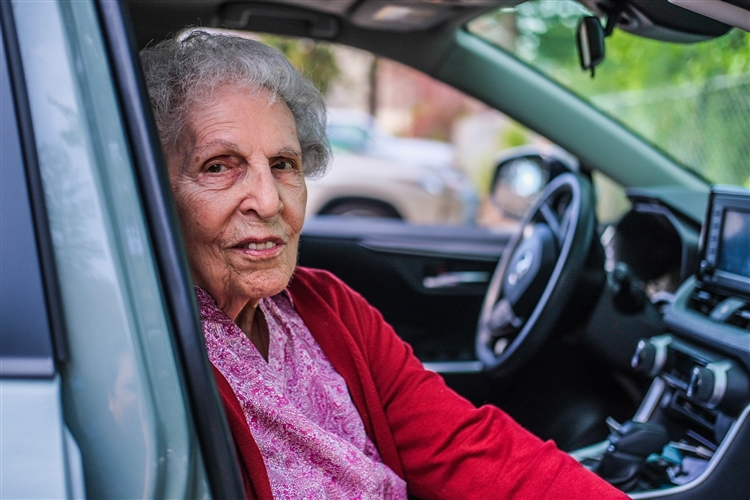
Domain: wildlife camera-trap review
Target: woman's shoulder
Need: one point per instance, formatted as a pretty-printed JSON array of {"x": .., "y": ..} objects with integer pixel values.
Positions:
[
  {"x": 310, "y": 275},
  {"x": 308, "y": 279},
  {"x": 318, "y": 294},
  {"x": 310, "y": 283}
]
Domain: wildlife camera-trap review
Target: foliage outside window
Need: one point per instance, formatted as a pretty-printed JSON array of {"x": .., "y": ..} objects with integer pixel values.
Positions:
[{"x": 692, "y": 101}]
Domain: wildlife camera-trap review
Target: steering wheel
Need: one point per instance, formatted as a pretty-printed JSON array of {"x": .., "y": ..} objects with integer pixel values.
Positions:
[{"x": 537, "y": 274}]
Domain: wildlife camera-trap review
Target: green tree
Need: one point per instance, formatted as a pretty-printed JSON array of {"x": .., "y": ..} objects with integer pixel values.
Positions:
[
  {"x": 690, "y": 100},
  {"x": 315, "y": 60}
]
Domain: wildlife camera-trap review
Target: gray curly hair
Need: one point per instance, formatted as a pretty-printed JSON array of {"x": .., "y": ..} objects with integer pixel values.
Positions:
[{"x": 181, "y": 71}]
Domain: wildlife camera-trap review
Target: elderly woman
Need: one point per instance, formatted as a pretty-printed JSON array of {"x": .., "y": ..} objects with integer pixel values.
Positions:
[{"x": 324, "y": 400}]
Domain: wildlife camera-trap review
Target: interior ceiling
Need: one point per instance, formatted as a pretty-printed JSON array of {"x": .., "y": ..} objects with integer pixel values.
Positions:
[
  {"x": 356, "y": 21},
  {"x": 658, "y": 19},
  {"x": 341, "y": 21},
  {"x": 155, "y": 19}
]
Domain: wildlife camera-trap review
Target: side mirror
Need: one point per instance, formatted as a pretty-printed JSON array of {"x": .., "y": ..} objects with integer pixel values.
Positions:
[
  {"x": 518, "y": 181},
  {"x": 521, "y": 174},
  {"x": 590, "y": 41}
]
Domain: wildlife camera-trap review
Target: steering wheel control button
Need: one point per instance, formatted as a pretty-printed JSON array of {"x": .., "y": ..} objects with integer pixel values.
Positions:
[
  {"x": 500, "y": 345},
  {"x": 521, "y": 268},
  {"x": 503, "y": 320}
]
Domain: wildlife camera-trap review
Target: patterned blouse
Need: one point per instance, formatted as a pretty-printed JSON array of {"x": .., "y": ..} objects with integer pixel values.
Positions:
[{"x": 298, "y": 408}]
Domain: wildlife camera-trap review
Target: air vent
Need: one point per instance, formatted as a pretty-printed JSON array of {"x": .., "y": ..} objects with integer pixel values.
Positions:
[
  {"x": 741, "y": 317},
  {"x": 720, "y": 307},
  {"x": 703, "y": 301}
]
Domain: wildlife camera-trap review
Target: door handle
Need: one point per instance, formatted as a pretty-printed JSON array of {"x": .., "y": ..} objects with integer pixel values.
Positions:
[{"x": 447, "y": 280}]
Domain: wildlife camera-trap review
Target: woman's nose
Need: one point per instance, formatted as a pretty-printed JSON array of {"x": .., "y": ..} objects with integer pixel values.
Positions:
[{"x": 262, "y": 194}]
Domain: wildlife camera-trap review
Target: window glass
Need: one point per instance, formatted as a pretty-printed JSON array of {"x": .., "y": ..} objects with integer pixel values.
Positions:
[
  {"x": 25, "y": 344},
  {"x": 124, "y": 403},
  {"x": 404, "y": 144},
  {"x": 611, "y": 201},
  {"x": 689, "y": 100}
]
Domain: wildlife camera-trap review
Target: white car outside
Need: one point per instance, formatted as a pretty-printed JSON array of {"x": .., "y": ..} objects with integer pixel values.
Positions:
[
  {"x": 360, "y": 185},
  {"x": 377, "y": 174}
]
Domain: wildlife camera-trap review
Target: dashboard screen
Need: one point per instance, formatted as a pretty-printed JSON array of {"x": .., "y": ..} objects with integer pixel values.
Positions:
[{"x": 734, "y": 247}]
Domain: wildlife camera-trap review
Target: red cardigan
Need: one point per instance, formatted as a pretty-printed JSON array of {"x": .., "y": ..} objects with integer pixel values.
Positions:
[{"x": 436, "y": 440}]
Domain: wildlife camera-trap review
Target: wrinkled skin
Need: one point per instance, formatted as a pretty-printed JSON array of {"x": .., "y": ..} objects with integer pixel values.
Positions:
[{"x": 240, "y": 194}]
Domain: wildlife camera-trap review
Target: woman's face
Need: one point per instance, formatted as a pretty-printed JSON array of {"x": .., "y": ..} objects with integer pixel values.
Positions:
[{"x": 240, "y": 194}]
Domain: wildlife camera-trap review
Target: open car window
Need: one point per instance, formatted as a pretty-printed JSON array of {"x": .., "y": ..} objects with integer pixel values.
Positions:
[
  {"x": 687, "y": 99},
  {"x": 411, "y": 148}
]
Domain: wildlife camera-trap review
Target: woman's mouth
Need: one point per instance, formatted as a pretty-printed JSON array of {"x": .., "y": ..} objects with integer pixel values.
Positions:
[{"x": 261, "y": 248}]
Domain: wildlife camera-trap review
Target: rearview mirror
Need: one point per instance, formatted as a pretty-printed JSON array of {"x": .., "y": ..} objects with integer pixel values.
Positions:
[{"x": 590, "y": 42}]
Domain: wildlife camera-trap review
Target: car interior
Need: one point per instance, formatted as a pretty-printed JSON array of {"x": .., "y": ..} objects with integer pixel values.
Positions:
[
  {"x": 626, "y": 341},
  {"x": 597, "y": 364}
]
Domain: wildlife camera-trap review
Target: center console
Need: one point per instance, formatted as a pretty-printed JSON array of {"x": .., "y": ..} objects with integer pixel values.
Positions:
[{"x": 690, "y": 437}]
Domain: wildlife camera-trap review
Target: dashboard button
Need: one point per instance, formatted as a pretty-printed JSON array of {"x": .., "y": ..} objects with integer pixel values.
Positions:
[
  {"x": 702, "y": 384},
  {"x": 651, "y": 355}
]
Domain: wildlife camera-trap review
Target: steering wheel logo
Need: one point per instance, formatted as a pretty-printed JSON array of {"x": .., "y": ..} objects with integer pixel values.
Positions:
[{"x": 522, "y": 267}]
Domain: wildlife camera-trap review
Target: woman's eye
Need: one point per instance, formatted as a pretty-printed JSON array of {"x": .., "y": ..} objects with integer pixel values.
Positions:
[
  {"x": 284, "y": 165},
  {"x": 216, "y": 168}
]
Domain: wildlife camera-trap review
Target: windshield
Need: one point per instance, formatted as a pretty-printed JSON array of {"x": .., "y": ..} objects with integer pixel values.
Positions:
[{"x": 692, "y": 101}]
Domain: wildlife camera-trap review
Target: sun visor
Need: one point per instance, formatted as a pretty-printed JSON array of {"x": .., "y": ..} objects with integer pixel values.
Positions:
[
  {"x": 415, "y": 15},
  {"x": 736, "y": 14},
  {"x": 268, "y": 18},
  {"x": 661, "y": 20}
]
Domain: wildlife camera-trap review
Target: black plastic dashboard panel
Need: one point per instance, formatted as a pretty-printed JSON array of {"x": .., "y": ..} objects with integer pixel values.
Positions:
[
  {"x": 703, "y": 335},
  {"x": 697, "y": 310},
  {"x": 730, "y": 339},
  {"x": 661, "y": 233},
  {"x": 649, "y": 242},
  {"x": 661, "y": 237},
  {"x": 684, "y": 203},
  {"x": 726, "y": 479}
]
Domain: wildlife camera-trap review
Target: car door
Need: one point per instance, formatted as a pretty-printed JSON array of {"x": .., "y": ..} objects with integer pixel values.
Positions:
[
  {"x": 106, "y": 388},
  {"x": 427, "y": 281},
  {"x": 32, "y": 429}
]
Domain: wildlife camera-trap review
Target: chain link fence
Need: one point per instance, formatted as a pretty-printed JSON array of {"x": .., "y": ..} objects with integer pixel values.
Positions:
[{"x": 703, "y": 125}]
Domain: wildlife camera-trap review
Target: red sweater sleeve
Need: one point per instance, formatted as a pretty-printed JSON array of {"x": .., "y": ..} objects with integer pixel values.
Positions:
[{"x": 447, "y": 447}]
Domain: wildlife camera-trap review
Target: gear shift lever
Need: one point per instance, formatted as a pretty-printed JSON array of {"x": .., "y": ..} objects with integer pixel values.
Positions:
[{"x": 630, "y": 445}]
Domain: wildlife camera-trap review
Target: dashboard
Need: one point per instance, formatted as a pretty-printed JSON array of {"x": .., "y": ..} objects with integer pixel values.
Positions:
[
  {"x": 696, "y": 415},
  {"x": 658, "y": 242},
  {"x": 701, "y": 273}
]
